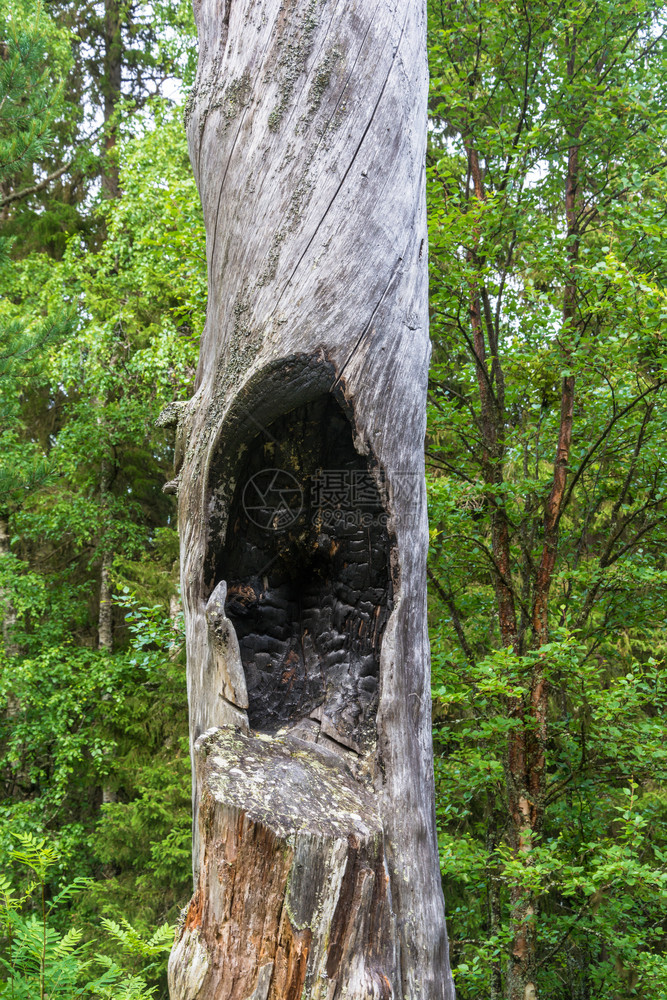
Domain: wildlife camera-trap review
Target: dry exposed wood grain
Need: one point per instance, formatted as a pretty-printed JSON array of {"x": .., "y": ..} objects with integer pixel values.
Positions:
[{"x": 308, "y": 662}]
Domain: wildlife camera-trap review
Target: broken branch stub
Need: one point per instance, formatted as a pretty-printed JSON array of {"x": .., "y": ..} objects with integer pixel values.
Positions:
[{"x": 302, "y": 512}]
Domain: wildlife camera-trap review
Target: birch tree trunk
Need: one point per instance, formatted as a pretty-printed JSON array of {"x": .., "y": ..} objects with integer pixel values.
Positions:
[
  {"x": 302, "y": 512},
  {"x": 105, "y": 617}
]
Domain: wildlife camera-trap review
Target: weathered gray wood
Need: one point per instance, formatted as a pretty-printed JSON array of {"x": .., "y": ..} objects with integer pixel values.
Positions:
[{"x": 308, "y": 656}]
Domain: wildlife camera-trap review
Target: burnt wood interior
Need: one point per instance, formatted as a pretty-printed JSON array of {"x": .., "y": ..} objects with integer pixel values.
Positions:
[{"x": 306, "y": 560}]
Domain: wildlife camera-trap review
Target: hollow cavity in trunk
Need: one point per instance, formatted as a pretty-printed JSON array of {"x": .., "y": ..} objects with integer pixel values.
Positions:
[{"x": 306, "y": 561}]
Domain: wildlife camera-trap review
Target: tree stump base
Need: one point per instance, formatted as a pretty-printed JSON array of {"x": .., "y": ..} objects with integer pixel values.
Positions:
[{"x": 293, "y": 900}]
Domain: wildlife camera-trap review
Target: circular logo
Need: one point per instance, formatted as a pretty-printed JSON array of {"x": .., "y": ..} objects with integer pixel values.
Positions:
[{"x": 272, "y": 499}]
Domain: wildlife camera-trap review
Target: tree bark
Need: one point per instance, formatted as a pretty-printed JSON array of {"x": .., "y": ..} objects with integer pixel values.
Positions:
[
  {"x": 19, "y": 777},
  {"x": 8, "y": 609},
  {"x": 105, "y": 619},
  {"x": 527, "y": 758},
  {"x": 105, "y": 614},
  {"x": 302, "y": 512},
  {"x": 111, "y": 89}
]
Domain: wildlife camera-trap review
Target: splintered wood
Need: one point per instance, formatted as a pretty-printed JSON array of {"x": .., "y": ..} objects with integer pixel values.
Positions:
[{"x": 291, "y": 818}]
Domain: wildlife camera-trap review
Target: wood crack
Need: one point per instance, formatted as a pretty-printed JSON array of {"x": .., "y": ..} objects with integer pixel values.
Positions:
[
  {"x": 369, "y": 324},
  {"x": 347, "y": 171}
]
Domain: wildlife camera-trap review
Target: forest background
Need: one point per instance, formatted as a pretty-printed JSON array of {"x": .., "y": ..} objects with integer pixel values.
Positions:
[{"x": 546, "y": 455}]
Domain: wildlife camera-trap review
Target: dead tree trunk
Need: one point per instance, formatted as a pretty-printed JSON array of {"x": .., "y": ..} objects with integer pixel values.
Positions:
[{"x": 302, "y": 512}]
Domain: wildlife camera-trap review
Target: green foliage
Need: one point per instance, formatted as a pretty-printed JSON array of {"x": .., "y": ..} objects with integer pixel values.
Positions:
[
  {"x": 598, "y": 869},
  {"x": 81, "y": 719},
  {"x": 113, "y": 60},
  {"x": 578, "y": 293},
  {"x": 126, "y": 935},
  {"x": 34, "y": 56},
  {"x": 40, "y": 961},
  {"x": 102, "y": 303},
  {"x": 140, "y": 305}
]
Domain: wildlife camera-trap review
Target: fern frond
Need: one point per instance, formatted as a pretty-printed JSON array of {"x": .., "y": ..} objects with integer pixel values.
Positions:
[
  {"x": 76, "y": 885},
  {"x": 162, "y": 939},
  {"x": 68, "y": 944}
]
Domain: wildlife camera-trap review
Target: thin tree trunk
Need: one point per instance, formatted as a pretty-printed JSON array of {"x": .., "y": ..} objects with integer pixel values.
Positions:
[
  {"x": 494, "y": 906},
  {"x": 527, "y": 763},
  {"x": 302, "y": 513},
  {"x": 111, "y": 88},
  {"x": 105, "y": 618},
  {"x": 20, "y": 778},
  {"x": 8, "y": 628},
  {"x": 105, "y": 614},
  {"x": 8, "y": 609},
  {"x": 518, "y": 765},
  {"x": 105, "y": 642},
  {"x": 526, "y": 753},
  {"x": 490, "y": 384}
]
